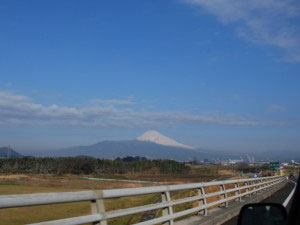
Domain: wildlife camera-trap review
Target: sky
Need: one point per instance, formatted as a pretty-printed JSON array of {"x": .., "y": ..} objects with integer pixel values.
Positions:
[{"x": 214, "y": 74}]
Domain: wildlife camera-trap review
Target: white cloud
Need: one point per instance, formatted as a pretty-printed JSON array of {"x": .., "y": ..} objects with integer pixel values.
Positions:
[
  {"x": 270, "y": 22},
  {"x": 18, "y": 109},
  {"x": 276, "y": 108},
  {"x": 112, "y": 102}
]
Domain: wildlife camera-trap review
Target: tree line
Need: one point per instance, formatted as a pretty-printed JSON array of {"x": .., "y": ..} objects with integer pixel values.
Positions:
[{"x": 88, "y": 165}]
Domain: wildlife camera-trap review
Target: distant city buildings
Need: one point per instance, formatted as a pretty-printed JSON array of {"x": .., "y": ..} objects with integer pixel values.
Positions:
[
  {"x": 245, "y": 160},
  {"x": 235, "y": 161}
]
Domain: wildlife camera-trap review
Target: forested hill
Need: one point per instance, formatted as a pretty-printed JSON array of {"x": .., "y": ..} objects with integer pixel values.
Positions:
[
  {"x": 6, "y": 152},
  {"x": 89, "y": 165}
]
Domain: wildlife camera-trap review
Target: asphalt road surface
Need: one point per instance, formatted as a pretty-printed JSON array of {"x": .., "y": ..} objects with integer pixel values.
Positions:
[{"x": 278, "y": 197}]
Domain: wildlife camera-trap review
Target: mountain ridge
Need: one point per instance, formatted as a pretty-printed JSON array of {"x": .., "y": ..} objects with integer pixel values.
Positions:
[
  {"x": 151, "y": 144},
  {"x": 113, "y": 149},
  {"x": 7, "y": 152}
]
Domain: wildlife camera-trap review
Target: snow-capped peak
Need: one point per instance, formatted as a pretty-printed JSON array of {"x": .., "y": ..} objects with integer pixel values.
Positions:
[{"x": 156, "y": 137}]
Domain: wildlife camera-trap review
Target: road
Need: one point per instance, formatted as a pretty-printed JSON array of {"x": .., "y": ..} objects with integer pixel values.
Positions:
[{"x": 279, "y": 197}]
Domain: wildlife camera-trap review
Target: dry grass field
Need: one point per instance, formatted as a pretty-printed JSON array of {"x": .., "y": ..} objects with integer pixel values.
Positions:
[
  {"x": 33, "y": 183},
  {"x": 24, "y": 184}
]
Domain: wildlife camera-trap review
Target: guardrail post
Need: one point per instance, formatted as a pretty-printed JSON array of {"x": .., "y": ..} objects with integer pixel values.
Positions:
[
  {"x": 166, "y": 197},
  {"x": 238, "y": 192},
  {"x": 255, "y": 187},
  {"x": 97, "y": 206},
  {"x": 202, "y": 201},
  {"x": 259, "y": 185},
  {"x": 224, "y": 195},
  {"x": 264, "y": 185},
  {"x": 248, "y": 189},
  {"x": 271, "y": 182},
  {"x": 258, "y": 181}
]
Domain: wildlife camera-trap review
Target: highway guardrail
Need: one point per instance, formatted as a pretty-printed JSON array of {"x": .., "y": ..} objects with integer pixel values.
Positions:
[{"x": 239, "y": 188}]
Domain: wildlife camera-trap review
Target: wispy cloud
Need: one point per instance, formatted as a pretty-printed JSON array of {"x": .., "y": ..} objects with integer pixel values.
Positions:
[
  {"x": 276, "y": 108},
  {"x": 270, "y": 22},
  {"x": 22, "y": 110},
  {"x": 112, "y": 102}
]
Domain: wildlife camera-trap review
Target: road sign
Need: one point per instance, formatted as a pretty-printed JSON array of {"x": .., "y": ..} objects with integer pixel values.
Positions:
[{"x": 274, "y": 165}]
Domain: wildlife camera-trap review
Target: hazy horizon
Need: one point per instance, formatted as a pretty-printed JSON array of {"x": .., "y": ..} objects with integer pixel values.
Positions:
[{"x": 36, "y": 150}]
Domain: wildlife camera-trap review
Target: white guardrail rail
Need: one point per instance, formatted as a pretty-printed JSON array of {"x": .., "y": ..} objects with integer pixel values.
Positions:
[{"x": 240, "y": 188}]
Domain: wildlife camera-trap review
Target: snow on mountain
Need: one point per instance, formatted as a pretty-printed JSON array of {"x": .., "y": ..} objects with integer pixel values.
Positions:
[{"x": 156, "y": 137}]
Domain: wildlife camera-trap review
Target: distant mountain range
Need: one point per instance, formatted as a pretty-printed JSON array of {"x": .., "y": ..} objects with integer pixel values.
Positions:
[
  {"x": 6, "y": 152},
  {"x": 152, "y": 145},
  {"x": 114, "y": 149}
]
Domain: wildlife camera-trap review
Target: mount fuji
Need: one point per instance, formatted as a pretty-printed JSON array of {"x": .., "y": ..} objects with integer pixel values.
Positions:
[
  {"x": 151, "y": 144},
  {"x": 156, "y": 137}
]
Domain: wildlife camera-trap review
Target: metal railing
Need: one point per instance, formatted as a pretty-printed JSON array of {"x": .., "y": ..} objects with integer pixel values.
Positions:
[{"x": 242, "y": 188}]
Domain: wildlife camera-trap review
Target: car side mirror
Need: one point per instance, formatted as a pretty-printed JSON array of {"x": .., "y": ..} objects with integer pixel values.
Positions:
[{"x": 263, "y": 214}]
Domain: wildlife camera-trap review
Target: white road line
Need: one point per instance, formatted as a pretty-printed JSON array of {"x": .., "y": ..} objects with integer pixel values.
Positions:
[{"x": 290, "y": 195}]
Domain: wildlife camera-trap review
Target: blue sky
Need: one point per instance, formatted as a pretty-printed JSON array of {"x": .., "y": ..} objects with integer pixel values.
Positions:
[{"x": 210, "y": 74}]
